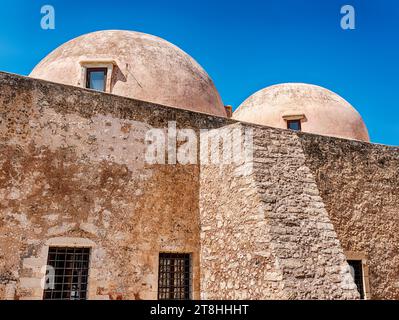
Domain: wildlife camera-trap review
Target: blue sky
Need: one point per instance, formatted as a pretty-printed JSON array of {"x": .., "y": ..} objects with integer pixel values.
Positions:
[{"x": 243, "y": 45}]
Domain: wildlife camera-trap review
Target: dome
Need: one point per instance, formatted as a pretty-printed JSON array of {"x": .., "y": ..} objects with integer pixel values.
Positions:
[
  {"x": 319, "y": 110},
  {"x": 139, "y": 66}
]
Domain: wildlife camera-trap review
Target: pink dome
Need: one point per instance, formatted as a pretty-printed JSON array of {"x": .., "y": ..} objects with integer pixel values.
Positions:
[
  {"x": 320, "y": 110},
  {"x": 145, "y": 67}
]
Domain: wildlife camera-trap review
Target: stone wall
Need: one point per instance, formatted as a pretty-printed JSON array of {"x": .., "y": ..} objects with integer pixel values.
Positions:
[
  {"x": 265, "y": 231},
  {"x": 359, "y": 184},
  {"x": 236, "y": 258},
  {"x": 72, "y": 169},
  {"x": 73, "y": 173}
]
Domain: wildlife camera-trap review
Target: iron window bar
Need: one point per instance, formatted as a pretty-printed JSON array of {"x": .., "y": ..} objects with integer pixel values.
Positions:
[{"x": 174, "y": 276}]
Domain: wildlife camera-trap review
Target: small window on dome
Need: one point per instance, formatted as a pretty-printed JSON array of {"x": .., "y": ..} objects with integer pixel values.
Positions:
[
  {"x": 96, "y": 78},
  {"x": 294, "y": 125}
]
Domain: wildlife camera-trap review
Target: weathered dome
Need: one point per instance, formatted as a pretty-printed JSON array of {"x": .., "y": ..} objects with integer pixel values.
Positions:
[
  {"x": 144, "y": 67},
  {"x": 319, "y": 110}
]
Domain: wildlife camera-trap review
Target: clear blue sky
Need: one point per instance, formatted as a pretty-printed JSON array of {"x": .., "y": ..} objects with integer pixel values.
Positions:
[{"x": 243, "y": 45}]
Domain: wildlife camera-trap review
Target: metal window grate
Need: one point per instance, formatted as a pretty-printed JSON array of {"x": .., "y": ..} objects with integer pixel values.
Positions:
[
  {"x": 96, "y": 78},
  {"x": 357, "y": 274},
  {"x": 174, "y": 276},
  {"x": 71, "y": 267}
]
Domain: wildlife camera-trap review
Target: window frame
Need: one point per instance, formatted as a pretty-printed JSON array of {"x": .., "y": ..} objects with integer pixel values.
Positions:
[
  {"x": 89, "y": 70},
  {"x": 91, "y": 63},
  {"x": 361, "y": 257},
  {"x": 352, "y": 263},
  {"x": 187, "y": 258},
  {"x": 65, "y": 250},
  {"x": 294, "y": 121}
]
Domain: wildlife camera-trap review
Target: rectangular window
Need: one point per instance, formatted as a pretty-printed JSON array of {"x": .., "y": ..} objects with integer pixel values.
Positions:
[
  {"x": 174, "y": 276},
  {"x": 96, "y": 78},
  {"x": 356, "y": 270},
  {"x": 294, "y": 125},
  {"x": 71, "y": 268}
]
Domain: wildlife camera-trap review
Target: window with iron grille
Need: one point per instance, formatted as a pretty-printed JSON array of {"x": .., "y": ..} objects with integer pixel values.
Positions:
[
  {"x": 71, "y": 268},
  {"x": 356, "y": 270},
  {"x": 174, "y": 276}
]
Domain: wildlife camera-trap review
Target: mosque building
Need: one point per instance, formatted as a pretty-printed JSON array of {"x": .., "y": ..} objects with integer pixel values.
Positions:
[{"x": 312, "y": 213}]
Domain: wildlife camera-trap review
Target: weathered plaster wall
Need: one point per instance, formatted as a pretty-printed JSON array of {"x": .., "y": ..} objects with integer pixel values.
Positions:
[
  {"x": 72, "y": 173},
  {"x": 265, "y": 231},
  {"x": 72, "y": 167},
  {"x": 359, "y": 184}
]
